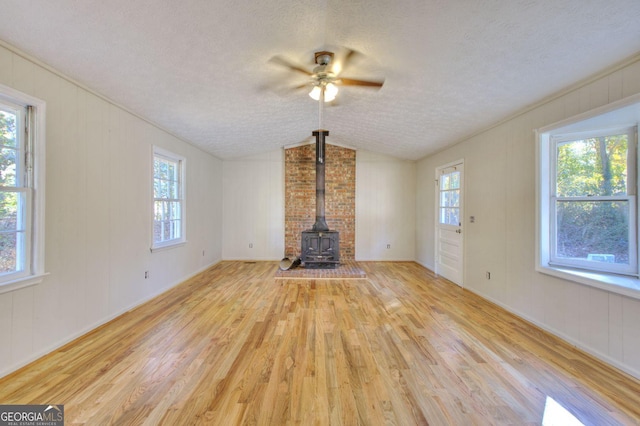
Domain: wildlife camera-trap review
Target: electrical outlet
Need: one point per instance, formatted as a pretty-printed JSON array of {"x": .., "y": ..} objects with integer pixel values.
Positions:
[{"x": 488, "y": 275}]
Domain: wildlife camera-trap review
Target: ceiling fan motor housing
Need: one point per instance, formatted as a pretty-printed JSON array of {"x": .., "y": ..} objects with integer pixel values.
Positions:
[{"x": 323, "y": 58}]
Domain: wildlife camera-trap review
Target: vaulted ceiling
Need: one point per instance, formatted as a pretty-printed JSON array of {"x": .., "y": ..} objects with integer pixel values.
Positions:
[{"x": 201, "y": 69}]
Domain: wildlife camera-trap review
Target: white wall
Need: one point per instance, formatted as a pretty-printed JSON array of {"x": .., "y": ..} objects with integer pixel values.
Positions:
[
  {"x": 385, "y": 207},
  {"x": 500, "y": 193},
  {"x": 254, "y": 207},
  {"x": 98, "y": 217}
]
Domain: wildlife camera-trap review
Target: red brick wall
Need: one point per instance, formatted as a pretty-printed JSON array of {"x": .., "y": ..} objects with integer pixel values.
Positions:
[{"x": 340, "y": 196}]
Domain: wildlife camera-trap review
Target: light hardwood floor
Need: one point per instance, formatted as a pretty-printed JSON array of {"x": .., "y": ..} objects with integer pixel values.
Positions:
[{"x": 236, "y": 346}]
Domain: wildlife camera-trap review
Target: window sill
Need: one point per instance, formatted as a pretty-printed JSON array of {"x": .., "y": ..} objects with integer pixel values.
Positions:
[
  {"x": 620, "y": 284},
  {"x": 19, "y": 283},
  {"x": 168, "y": 246}
]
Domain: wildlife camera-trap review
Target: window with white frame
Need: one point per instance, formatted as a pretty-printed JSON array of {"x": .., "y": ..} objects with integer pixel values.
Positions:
[
  {"x": 587, "y": 198},
  {"x": 592, "y": 200},
  {"x": 21, "y": 189},
  {"x": 168, "y": 198}
]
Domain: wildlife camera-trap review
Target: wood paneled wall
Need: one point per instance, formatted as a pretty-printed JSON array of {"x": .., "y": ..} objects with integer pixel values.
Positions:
[{"x": 253, "y": 207}]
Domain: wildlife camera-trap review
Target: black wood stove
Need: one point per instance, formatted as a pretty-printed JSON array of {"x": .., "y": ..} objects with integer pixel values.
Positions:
[{"x": 320, "y": 246}]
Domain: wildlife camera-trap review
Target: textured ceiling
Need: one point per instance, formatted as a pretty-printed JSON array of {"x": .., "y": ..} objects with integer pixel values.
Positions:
[{"x": 200, "y": 68}]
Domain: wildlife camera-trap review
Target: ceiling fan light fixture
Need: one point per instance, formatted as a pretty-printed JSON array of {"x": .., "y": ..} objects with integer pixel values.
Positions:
[
  {"x": 330, "y": 92},
  {"x": 315, "y": 93}
]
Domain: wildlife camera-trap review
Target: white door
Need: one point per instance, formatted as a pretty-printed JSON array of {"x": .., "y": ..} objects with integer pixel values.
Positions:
[{"x": 449, "y": 237}]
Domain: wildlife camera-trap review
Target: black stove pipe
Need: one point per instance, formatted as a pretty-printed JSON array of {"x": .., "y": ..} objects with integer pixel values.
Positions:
[{"x": 321, "y": 223}]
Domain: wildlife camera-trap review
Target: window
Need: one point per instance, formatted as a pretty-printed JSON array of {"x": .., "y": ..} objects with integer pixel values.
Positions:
[
  {"x": 587, "y": 206},
  {"x": 449, "y": 197},
  {"x": 592, "y": 201},
  {"x": 21, "y": 189},
  {"x": 168, "y": 199}
]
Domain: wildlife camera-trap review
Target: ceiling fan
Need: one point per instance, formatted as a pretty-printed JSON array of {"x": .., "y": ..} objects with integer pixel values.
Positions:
[{"x": 325, "y": 77}]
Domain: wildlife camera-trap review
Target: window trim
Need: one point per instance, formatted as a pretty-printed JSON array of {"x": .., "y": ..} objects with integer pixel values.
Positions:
[
  {"x": 618, "y": 114},
  {"x": 35, "y": 193},
  {"x": 171, "y": 156}
]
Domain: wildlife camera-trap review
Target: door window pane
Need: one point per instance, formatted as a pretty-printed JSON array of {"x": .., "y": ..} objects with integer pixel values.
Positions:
[
  {"x": 450, "y": 199},
  {"x": 450, "y": 216}
]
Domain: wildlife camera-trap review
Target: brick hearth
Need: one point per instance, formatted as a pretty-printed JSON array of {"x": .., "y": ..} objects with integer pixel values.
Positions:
[{"x": 346, "y": 270}]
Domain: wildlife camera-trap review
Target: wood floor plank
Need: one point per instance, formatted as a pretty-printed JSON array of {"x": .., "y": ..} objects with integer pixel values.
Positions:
[{"x": 236, "y": 346}]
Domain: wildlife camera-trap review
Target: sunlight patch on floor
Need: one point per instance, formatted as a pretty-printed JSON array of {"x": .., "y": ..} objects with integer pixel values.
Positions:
[{"x": 556, "y": 415}]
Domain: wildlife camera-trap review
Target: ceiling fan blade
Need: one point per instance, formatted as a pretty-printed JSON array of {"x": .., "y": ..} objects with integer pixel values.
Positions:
[
  {"x": 345, "y": 60},
  {"x": 283, "y": 62},
  {"x": 352, "y": 82}
]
